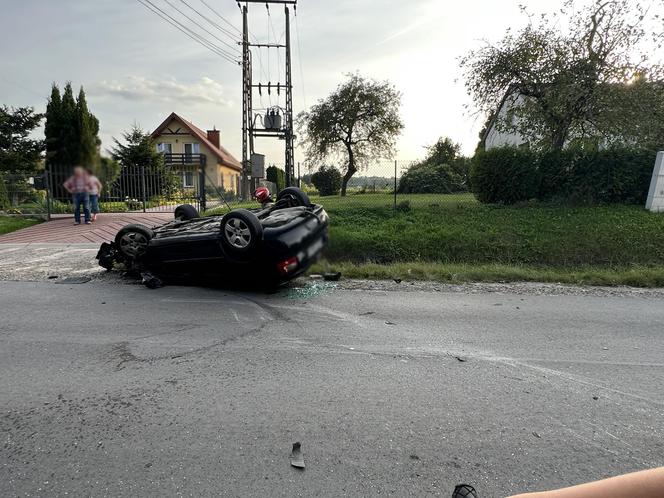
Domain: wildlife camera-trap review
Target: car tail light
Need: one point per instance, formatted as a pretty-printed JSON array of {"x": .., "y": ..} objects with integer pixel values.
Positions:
[{"x": 287, "y": 266}]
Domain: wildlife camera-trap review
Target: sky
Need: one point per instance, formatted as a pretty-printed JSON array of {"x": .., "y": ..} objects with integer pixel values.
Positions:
[{"x": 136, "y": 68}]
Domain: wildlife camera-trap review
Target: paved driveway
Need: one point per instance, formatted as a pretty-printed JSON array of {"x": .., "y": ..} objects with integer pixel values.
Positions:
[{"x": 61, "y": 230}]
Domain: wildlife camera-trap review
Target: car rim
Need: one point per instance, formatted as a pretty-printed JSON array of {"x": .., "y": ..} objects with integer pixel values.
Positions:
[
  {"x": 237, "y": 233},
  {"x": 133, "y": 244}
]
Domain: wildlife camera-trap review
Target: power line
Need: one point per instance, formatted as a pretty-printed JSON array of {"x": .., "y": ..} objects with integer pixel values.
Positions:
[
  {"x": 222, "y": 17},
  {"x": 299, "y": 59},
  {"x": 191, "y": 34},
  {"x": 231, "y": 54},
  {"x": 274, "y": 33},
  {"x": 232, "y": 36}
]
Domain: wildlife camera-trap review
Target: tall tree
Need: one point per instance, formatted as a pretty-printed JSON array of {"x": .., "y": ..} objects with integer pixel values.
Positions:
[
  {"x": 71, "y": 132},
  {"x": 52, "y": 128},
  {"x": 87, "y": 128},
  {"x": 69, "y": 140},
  {"x": 554, "y": 74},
  {"x": 138, "y": 158},
  {"x": 358, "y": 122},
  {"x": 19, "y": 152}
]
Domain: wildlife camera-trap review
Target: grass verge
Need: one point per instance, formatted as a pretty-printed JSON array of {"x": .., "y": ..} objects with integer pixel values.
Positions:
[
  {"x": 463, "y": 273},
  {"x": 10, "y": 223}
]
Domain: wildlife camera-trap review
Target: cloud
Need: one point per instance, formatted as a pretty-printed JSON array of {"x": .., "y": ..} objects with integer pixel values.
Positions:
[{"x": 140, "y": 88}]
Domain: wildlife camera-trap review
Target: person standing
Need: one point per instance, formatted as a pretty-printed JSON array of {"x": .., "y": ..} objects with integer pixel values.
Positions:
[
  {"x": 95, "y": 189},
  {"x": 78, "y": 186}
]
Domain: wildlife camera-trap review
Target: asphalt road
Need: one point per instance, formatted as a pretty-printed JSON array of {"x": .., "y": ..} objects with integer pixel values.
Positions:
[{"x": 117, "y": 390}]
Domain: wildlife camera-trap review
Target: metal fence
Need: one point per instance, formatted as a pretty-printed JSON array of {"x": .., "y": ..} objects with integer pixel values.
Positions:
[
  {"x": 391, "y": 184},
  {"x": 19, "y": 195},
  {"x": 384, "y": 184}
]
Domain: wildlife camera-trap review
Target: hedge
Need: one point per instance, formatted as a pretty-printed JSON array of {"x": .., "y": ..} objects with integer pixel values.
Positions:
[{"x": 508, "y": 175}]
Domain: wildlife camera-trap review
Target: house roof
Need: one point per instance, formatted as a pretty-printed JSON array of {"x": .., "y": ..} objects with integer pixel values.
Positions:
[
  {"x": 491, "y": 121},
  {"x": 225, "y": 157}
]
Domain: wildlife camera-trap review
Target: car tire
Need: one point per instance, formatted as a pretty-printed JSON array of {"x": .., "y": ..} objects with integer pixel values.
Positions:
[
  {"x": 132, "y": 241},
  {"x": 241, "y": 232},
  {"x": 297, "y": 195},
  {"x": 186, "y": 212}
]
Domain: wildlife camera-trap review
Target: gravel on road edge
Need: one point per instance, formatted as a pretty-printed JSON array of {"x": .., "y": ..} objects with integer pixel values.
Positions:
[{"x": 42, "y": 262}]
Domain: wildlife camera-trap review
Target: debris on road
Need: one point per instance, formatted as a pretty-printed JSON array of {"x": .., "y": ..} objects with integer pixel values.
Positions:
[
  {"x": 297, "y": 458},
  {"x": 397, "y": 280},
  {"x": 537, "y": 435},
  {"x": 462, "y": 360},
  {"x": 150, "y": 281},
  {"x": 74, "y": 280},
  {"x": 367, "y": 313},
  {"x": 332, "y": 276},
  {"x": 464, "y": 491},
  {"x": 387, "y": 322}
]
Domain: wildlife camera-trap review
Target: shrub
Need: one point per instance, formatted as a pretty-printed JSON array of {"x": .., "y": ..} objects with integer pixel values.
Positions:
[
  {"x": 4, "y": 197},
  {"x": 591, "y": 176},
  {"x": 618, "y": 174},
  {"x": 505, "y": 175},
  {"x": 403, "y": 206},
  {"x": 276, "y": 176},
  {"x": 424, "y": 178},
  {"x": 327, "y": 180}
]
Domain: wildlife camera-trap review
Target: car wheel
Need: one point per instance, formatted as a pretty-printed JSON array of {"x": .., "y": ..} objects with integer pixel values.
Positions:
[
  {"x": 132, "y": 241},
  {"x": 298, "y": 197},
  {"x": 186, "y": 212},
  {"x": 241, "y": 231}
]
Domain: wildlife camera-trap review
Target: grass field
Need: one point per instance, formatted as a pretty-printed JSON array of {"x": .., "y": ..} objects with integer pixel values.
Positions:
[
  {"x": 455, "y": 238},
  {"x": 9, "y": 224}
]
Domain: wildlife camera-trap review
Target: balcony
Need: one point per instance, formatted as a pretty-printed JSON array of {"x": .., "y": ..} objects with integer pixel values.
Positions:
[{"x": 184, "y": 159}]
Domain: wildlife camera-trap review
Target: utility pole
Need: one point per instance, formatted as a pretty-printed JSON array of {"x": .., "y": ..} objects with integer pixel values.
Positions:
[
  {"x": 246, "y": 105},
  {"x": 272, "y": 127}
]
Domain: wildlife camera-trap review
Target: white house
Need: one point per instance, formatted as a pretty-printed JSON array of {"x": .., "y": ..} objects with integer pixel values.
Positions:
[{"x": 495, "y": 137}]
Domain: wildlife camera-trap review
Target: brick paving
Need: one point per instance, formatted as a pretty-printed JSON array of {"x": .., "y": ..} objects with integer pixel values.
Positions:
[{"x": 61, "y": 230}]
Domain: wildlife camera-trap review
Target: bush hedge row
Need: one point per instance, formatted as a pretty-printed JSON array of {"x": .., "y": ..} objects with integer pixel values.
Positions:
[{"x": 508, "y": 175}]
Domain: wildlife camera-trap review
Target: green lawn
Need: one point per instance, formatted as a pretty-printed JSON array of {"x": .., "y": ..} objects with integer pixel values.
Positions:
[
  {"x": 9, "y": 224},
  {"x": 455, "y": 238},
  {"x": 459, "y": 230}
]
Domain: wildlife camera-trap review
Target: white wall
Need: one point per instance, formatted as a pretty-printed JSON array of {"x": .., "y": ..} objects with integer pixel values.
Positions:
[
  {"x": 498, "y": 138},
  {"x": 655, "y": 200}
]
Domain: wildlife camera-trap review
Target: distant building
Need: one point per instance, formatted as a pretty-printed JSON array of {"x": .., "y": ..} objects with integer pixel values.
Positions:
[
  {"x": 186, "y": 148},
  {"x": 496, "y": 137}
]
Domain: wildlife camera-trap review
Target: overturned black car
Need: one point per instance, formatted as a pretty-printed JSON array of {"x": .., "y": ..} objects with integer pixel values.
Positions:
[{"x": 259, "y": 247}]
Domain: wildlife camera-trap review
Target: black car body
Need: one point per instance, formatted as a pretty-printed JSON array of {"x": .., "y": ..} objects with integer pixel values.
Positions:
[{"x": 264, "y": 246}]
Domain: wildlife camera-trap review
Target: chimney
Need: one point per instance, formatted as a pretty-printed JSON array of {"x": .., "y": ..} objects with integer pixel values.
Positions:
[{"x": 213, "y": 136}]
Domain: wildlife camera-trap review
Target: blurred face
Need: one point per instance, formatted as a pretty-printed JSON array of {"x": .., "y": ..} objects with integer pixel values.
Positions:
[{"x": 78, "y": 171}]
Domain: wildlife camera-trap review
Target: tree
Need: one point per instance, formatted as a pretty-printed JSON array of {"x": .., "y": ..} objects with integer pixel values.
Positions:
[
  {"x": 87, "y": 128},
  {"x": 108, "y": 170},
  {"x": 68, "y": 140},
  {"x": 52, "y": 129},
  {"x": 19, "y": 152},
  {"x": 327, "y": 180},
  {"x": 358, "y": 122},
  {"x": 71, "y": 131},
  {"x": 276, "y": 176},
  {"x": 556, "y": 71},
  {"x": 442, "y": 171},
  {"x": 143, "y": 173}
]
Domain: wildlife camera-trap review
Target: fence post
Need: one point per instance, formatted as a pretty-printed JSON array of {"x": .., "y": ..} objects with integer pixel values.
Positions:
[
  {"x": 142, "y": 170},
  {"x": 47, "y": 177},
  {"x": 395, "y": 184},
  {"x": 202, "y": 199}
]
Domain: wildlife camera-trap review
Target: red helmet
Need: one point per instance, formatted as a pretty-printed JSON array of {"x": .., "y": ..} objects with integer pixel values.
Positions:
[{"x": 261, "y": 194}]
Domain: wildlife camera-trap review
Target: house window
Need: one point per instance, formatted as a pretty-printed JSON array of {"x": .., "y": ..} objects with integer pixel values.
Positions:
[
  {"x": 188, "y": 179},
  {"x": 190, "y": 150},
  {"x": 164, "y": 148}
]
